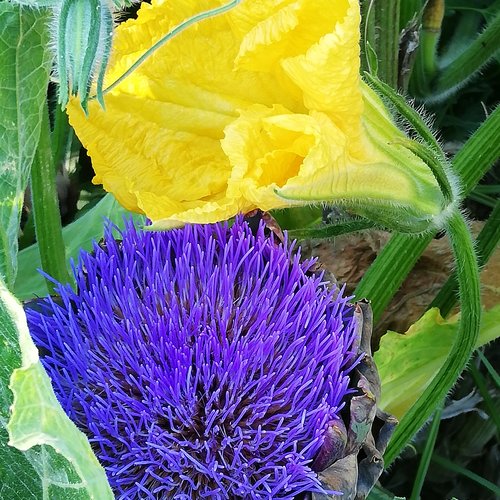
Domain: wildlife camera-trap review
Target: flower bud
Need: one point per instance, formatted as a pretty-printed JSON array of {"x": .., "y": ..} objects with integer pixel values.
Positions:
[{"x": 83, "y": 31}]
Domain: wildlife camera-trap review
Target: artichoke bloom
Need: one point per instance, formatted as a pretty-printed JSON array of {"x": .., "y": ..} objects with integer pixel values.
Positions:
[
  {"x": 203, "y": 362},
  {"x": 261, "y": 107}
]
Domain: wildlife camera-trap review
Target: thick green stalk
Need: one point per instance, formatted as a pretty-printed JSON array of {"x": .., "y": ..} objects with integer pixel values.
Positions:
[
  {"x": 426, "y": 64},
  {"x": 46, "y": 208},
  {"x": 386, "y": 274},
  {"x": 470, "y": 61},
  {"x": 384, "y": 277},
  {"x": 486, "y": 243},
  {"x": 465, "y": 30},
  {"x": 62, "y": 137},
  {"x": 480, "y": 152},
  {"x": 463, "y": 346},
  {"x": 381, "y": 18}
]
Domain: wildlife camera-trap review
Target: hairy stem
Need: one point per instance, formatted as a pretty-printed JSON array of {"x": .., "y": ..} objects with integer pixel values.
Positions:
[
  {"x": 46, "y": 208},
  {"x": 463, "y": 346}
]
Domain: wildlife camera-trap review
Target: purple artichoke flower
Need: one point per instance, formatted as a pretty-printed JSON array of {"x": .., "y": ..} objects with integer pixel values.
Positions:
[{"x": 204, "y": 362}]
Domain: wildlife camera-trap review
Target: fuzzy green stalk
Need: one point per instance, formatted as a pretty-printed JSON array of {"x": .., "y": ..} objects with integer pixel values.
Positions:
[
  {"x": 46, "y": 208},
  {"x": 486, "y": 243},
  {"x": 463, "y": 346}
]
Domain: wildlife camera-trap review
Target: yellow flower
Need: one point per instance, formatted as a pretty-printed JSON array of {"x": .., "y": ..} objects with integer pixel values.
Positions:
[{"x": 261, "y": 107}]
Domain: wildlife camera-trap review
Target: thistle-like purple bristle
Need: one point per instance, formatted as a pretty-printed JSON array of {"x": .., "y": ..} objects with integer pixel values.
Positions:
[{"x": 203, "y": 362}]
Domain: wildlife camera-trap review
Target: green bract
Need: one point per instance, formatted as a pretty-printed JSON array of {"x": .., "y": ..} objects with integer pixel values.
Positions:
[{"x": 83, "y": 30}]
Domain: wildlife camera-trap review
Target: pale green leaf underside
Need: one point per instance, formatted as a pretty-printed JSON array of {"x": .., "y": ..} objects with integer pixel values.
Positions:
[
  {"x": 24, "y": 73},
  {"x": 77, "y": 236},
  {"x": 407, "y": 363},
  {"x": 53, "y": 458}
]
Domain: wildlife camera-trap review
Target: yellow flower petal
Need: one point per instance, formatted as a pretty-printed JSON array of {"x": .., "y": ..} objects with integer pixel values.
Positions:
[
  {"x": 136, "y": 159},
  {"x": 261, "y": 107},
  {"x": 269, "y": 148},
  {"x": 328, "y": 73}
]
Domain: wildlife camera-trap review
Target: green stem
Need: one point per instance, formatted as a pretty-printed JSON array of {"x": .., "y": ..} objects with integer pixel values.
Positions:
[
  {"x": 431, "y": 31},
  {"x": 465, "y": 30},
  {"x": 384, "y": 277},
  {"x": 382, "y": 34},
  {"x": 331, "y": 230},
  {"x": 484, "y": 199},
  {"x": 425, "y": 461},
  {"x": 426, "y": 65},
  {"x": 470, "y": 61},
  {"x": 480, "y": 152},
  {"x": 486, "y": 243},
  {"x": 463, "y": 346},
  {"x": 386, "y": 274},
  {"x": 46, "y": 208},
  {"x": 62, "y": 137}
]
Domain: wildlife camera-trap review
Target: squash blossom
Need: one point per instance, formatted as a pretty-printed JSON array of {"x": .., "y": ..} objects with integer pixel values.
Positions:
[{"x": 261, "y": 107}]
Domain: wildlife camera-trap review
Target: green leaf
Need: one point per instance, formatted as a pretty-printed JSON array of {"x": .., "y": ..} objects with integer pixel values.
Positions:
[
  {"x": 23, "y": 85},
  {"x": 46, "y": 456},
  {"x": 407, "y": 363},
  {"x": 298, "y": 217},
  {"x": 77, "y": 236}
]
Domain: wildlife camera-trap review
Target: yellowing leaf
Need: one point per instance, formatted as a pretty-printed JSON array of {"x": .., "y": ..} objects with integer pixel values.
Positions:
[
  {"x": 408, "y": 362},
  {"x": 46, "y": 455}
]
